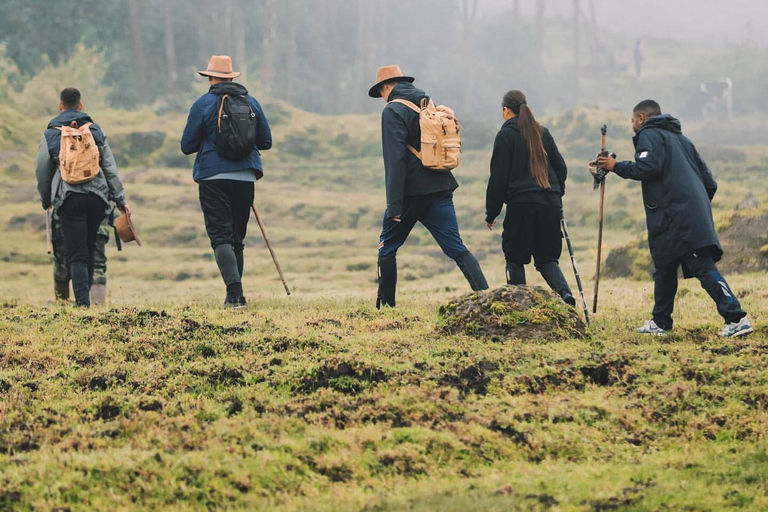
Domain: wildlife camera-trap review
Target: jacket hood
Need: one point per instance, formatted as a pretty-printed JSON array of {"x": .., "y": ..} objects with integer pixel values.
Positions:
[
  {"x": 65, "y": 118},
  {"x": 228, "y": 88},
  {"x": 407, "y": 91},
  {"x": 665, "y": 122}
]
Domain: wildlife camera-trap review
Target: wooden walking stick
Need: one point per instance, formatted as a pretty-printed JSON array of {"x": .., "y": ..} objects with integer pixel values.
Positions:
[
  {"x": 603, "y": 152},
  {"x": 269, "y": 246}
]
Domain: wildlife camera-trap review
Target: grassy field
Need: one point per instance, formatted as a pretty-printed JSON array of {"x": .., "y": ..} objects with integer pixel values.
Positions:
[{"x": 164, "y": 401}]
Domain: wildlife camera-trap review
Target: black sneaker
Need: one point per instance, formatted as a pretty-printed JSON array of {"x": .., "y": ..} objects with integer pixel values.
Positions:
[
  {"x": 570, "y": 300},
  {"x": 234, "y": 302}
]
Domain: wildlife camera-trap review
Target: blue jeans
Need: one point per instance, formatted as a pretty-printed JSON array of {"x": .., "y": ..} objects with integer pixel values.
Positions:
[{"x": 436, "y": 212}]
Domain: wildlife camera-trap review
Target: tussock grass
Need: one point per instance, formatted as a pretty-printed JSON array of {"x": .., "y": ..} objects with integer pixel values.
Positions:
[{"x": 327, "y": 404}]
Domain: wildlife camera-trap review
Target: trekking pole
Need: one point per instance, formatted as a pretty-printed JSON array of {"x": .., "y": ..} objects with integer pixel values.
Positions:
[
  {"x": 575, "y": 268},
  {"x": 603, "y": 152},
  {"x": 269, "y": 246},
  {"x": 48, "y": 230}
]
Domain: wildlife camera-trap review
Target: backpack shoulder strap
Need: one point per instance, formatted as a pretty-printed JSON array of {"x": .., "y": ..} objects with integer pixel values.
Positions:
[
  {"x": 407, "y": 103},
  {"x": 221, "y": 109},
  {"x": 416, "y": 109}
]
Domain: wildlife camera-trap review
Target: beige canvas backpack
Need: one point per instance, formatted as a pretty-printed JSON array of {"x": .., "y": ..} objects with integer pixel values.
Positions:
[
  {"x": 440, "y": 139},
  {"x": 78, "y": 154}
]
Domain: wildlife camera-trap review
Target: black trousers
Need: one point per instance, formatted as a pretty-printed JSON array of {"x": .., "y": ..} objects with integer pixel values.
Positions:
[
  {"x": 81, "y": 216},
  {"x": 532, "y": 229},
  {"x": 226, "y": 206},
  {"x": 701, "y": 266}
]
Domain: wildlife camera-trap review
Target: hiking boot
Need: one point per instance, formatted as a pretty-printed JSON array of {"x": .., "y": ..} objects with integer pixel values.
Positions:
[
  {"x": 61, "y": 290},
  {"x": 472, "y": 271},
  {"x": 651, "y": 328},
  {"x": 736, "y": 329},
  {"x": 387, "y": 271},
  {"x": 235, "y": 302},
  {"x": 570, "y": 300},
  {"x": 98, "y": 294}
]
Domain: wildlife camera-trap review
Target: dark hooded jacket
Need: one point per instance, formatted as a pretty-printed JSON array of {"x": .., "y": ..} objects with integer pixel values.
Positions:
[
  {"x": 53, "y": 190},
  {"x": 511, "y": 180},
  {"x": 404, "y": 173},
  {"x": 677, "y": 191},
  {"x": 202, "y": 128}
]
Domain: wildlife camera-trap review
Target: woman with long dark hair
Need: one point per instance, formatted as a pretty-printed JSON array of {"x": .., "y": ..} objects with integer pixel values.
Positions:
[{"x": 528, "y": 175}]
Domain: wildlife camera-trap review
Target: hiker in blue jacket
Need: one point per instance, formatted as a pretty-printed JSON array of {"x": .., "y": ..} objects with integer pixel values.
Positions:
[
  {"x": 678, "y": 188},
  {"x": 226, "y": 180},
  {"x": 414, "y": 192}
]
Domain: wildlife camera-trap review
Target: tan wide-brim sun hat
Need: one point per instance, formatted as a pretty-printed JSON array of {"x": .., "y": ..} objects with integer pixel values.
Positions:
[
  {"x": 220, "y": 66},
  {"x": 388, "y": 74},
  {"x": 126, "y": 230}
]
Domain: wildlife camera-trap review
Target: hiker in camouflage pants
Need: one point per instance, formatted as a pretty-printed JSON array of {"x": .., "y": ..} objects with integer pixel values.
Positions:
[{"x": 61, "y": 275}]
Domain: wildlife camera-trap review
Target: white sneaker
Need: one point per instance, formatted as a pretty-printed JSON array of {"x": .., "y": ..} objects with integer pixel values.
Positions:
[
  {"x": 736, "y": 329},
  {"x": 650, "y": 327}
]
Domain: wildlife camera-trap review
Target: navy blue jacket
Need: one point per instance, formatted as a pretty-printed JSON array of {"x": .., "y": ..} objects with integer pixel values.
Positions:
[
  {"x": 511, "y": 180},
  {"x": 403, "y": 171},
  {"x": 201, "y": 131},
  {"x": 677, "y": 191}
]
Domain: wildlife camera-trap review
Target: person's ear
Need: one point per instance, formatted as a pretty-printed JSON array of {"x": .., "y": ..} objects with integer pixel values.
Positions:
[
  {"x": 80, "y": 106},
  {"x": 61, "y": 107}
]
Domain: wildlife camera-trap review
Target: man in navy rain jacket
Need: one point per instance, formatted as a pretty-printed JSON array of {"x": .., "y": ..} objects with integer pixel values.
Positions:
[
  {"x": 677, "y": 191},
  {"x": 226, "y": 186},
  {"x": 414, "y": 193}
]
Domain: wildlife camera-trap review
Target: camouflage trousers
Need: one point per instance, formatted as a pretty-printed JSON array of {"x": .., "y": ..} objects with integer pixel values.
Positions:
[{"x": 60, "y": 269}]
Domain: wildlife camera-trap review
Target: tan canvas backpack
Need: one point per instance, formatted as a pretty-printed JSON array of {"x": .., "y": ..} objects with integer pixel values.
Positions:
[
  {"x": 440, "y": 139},
  {"x": 78, "y": 154}
]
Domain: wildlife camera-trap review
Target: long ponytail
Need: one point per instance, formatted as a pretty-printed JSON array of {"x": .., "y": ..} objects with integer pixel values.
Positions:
[{"x": 531, "y": 132}]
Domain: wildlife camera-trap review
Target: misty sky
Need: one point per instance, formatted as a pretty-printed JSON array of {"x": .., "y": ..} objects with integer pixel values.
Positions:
[{"x": 702, "y": 21}]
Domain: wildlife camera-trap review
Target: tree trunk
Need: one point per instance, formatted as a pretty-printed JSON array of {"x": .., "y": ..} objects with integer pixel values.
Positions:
[
  {"x": 468, "y": 44},
  {"x": 292, "y": 52},
  {"x": 576, "y": 51},
  {"x": 364, "y": 52},
  {"x": 268, "y": 50},
  {"x": 541, "y": 9},
  {"x": 170, "y": 46},
  {"x": 137, "y": 46},
  {"x": 238, "y": 36}
]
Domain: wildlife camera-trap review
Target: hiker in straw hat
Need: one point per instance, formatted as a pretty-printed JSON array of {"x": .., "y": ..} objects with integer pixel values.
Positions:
[
  {"x": 79, "y": 194},
  {"x": 414, "y": 192},
  {"x": 226, "y": 127}
]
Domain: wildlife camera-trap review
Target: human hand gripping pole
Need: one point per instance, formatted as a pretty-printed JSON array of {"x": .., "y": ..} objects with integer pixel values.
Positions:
[{"x": 269, "y": 246}]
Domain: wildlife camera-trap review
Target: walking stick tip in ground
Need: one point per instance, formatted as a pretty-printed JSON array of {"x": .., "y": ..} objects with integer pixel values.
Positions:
[{"x": 269, "y": 246}]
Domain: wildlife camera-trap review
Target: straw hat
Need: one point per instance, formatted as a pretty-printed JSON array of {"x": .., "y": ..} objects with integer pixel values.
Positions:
[
  {"x": 388, "y": 74},
  {"x": 126, "y": 230},
  {"x": 220, "y": 66}
]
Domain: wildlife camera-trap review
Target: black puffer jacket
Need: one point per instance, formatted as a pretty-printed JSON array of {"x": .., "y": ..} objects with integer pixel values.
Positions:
[
  {"x": 511, "y": 180},
  {"x": 677, "y": 191},
  {"x": 404, "y": 174}
]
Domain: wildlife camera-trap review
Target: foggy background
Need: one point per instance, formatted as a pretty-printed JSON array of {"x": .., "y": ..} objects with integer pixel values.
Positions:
[
  {"x": 712, "y": 22},
  {"x": 322, "y": 55}
]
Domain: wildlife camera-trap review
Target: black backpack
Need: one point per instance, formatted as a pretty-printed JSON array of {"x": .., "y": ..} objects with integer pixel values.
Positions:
[{"x": 237, "y": 128}]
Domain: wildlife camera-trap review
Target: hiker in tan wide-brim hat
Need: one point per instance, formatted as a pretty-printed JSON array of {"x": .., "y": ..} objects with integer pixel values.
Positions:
[
  {"x": 388, "y": 74},
  {"x": 220, "y": 66}
]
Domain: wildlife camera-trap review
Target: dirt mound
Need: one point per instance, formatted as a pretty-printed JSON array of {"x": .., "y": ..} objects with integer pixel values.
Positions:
[
  {"x": 744, "y": 237},
  {"x": 523, "y": 312}
]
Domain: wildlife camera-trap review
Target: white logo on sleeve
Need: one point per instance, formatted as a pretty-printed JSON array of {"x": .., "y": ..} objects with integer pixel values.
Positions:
[{"x": 644, "y": 154}]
